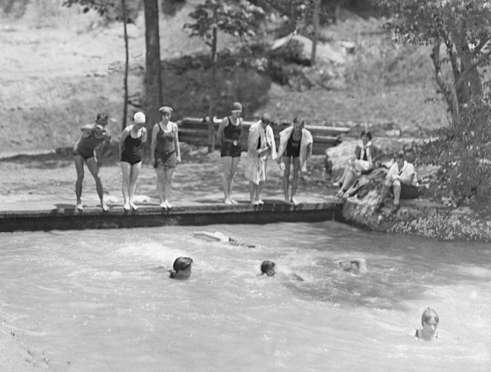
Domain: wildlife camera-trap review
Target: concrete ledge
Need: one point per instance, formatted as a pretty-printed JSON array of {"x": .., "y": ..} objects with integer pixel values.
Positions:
[{"x": 151, "y": 216}]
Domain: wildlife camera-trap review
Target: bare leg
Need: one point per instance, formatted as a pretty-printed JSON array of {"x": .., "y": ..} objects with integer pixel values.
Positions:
[
  {"x": 233, "y": 170},
  {"x": 226, "y": 170},
  {"x": 168, "y": 185},
  {"x": 160, "y": 185},
  {"x": 349, "y": 180},
  {"x": 252, "y": 191},
  {"x": 286, "y": 178},
  {"x": 296, "y": 176},
  {"x": 135, "y": 171},
  {"x": 258, "y": 192},
  {"x": 79, "y": 166},
  {"x": 396, "y": 188},
  {"x": 126, "y": 170},
  {"x": 94, "y": 170}
]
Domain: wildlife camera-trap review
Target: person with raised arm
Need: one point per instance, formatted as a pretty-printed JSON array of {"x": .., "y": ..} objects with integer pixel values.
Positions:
[{"x": 85, "y": 152}]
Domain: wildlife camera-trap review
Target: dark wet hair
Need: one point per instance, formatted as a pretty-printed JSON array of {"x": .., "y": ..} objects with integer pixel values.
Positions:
[
  {"x": 101, "y": 118},
  {"x": 266, "y": 266},
  {"x": 366, "y": 133},
  {"x": 400, "y": 155},
  {"x": 182, "y": 263},
  {"x": 298, "y": 119},
  {"x": 429, "y": 314}
]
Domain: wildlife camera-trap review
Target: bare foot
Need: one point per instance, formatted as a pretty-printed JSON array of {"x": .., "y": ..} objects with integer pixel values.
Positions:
[
  {"x": 228, "y": 201},
  {"x": 294, "y": 201},
  {"x": 133, "y": 206},
  {"x": 163, "y": 205},
  {"x": 104, "y": 207},
  {"x": 126, "y": 206},
  {"x": 260, "y": 202},
  {"x": 169, "y": 206},
  {"x": 79, "y": 207},
  {"x": 234, "y": 201}
]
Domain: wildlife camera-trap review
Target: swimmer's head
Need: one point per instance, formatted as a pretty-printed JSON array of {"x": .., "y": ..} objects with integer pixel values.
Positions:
[
  {"x": 267, "y": 267},
  {"x": 182, "y": 268},
  {"x": 298, "y": 124},
  {"x": 429, "y": 321},
  {"x": 429, "y": 315},
  {"x": 347, "y": 265},
  {"x": 101, "y": 119}
]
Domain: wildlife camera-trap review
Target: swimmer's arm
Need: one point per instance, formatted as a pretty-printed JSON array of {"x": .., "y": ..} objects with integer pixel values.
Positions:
[
  {"x": 124, "y": 135},
  {"x": 297, "y": 277},
  {"x": 208, "y": 235}
]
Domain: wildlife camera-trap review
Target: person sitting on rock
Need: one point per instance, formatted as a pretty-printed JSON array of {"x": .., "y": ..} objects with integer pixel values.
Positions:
[
  {"x": 401, "y": 181},
  {"x": 362, "y": 163}
]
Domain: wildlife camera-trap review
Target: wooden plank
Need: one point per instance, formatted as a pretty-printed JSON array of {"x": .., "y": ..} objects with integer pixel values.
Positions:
[{"x": 314, "y": 129}]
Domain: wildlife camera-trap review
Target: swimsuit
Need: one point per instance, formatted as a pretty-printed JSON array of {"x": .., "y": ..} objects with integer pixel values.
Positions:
[
  {"x": 293, "y": 147},
  {"x": 165, "y": 151},
  {"x": 85, "y": 146},
  {"x": 232, "y": 132},
  {"x": 132, "y": 150}
]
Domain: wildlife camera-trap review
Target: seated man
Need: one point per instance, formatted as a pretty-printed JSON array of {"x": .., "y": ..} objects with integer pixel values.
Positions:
[{"x": 401, "y": 181}]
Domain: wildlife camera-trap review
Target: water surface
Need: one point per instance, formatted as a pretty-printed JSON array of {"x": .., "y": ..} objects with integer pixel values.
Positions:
[{"x": 102, "y": 301}]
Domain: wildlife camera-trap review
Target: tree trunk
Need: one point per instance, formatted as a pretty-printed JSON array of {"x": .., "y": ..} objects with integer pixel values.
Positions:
[
  {"x": 152, "y": 82},
  {"x": 315, "y": 21},
  {"x": 213, "y": 90},
  {"x": 126, "y": 62}
]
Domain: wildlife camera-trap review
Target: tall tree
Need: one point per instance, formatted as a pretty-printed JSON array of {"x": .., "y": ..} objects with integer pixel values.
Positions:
[
  {"x": 152, "y": 82},
  {"x": 110, "y": 10},
  {"x": 236, "y": 18},
  {"x": 462, "y": 28}
]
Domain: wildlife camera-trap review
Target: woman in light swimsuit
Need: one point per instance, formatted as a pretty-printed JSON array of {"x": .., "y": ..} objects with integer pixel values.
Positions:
[
  {"x": 165, "y": 154},
  {"x": 228, "y": 136},
  {"x": 84, "y": 151},
  {"x": 131, "y": 153}
]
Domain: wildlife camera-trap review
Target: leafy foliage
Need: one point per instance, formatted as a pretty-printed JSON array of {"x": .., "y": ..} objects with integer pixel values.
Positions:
[
  {"x": 110, "y": 9},
  {"x": 232, "y": 17}
]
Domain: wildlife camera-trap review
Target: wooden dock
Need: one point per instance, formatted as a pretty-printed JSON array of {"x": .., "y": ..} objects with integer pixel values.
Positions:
[
  {"x": 195, "y": 131},
  {"x": 154, "y": 216}
]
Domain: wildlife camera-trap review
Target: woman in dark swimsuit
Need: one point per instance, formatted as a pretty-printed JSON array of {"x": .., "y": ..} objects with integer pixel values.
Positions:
[
  {"x": 165, "y": 154},
  {"x": 291, "y": 154},
  {"x": 84, "y": 151},
  {"x": 228, "y": 136},
  {"x": 131, "y": 152}
]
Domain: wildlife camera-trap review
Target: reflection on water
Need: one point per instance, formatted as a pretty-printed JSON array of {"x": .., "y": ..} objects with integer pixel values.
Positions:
[{"x": 102, "y": 300}]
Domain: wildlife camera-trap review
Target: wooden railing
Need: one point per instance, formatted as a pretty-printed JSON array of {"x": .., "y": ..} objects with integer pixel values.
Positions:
[{"x": 195, "y": 131}]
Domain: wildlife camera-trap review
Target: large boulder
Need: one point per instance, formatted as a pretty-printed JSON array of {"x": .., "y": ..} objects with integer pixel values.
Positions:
[{"x": 335, "y": 51}]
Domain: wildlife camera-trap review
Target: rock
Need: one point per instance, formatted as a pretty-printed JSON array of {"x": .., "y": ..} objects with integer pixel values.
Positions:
[{"x": 333, "y": 51}]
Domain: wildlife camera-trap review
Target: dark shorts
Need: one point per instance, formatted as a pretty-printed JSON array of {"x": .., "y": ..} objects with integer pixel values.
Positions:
[
  {"x": 229, "y": 149},
  {"x": 165, "y": 160},
  {"x": 132, "y": 159},
  {"x": 409, "y": 191}
]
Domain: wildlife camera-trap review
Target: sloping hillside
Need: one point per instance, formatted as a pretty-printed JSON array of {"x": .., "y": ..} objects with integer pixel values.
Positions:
[{"x": 60, "y": 67}]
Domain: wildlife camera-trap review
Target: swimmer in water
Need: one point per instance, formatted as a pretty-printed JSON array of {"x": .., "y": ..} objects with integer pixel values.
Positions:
[
  {"x": 220, "y": 237},
  {"x": 429, "y": 321},
  {"x": 182, "y": 268},
  {"x": 355, "y": 265},
  {"x": 268, "y": 268}
]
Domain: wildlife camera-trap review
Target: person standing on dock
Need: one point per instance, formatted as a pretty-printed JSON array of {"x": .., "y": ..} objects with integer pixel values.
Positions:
[
  {"x": 260, "y": 146},
  {"x": 165, "y": 154},
  {"x": 295, "y": 147},
  {"x": 131, "y": 153},
  {"x": 228, "y": 137},
  {"x": 84, "y": 151}
]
